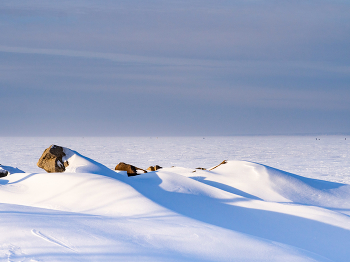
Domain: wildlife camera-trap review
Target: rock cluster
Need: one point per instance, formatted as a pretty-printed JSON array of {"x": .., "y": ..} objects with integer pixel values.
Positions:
[{"x": 51, "y": 160}]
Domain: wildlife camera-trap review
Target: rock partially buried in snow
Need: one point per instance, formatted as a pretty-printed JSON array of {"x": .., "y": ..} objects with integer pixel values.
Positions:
[
  {"x": 51, "y": 160},
  {"x": 154, "y": 168},
  {"x": 130, "y": 169},
  {"x": 3, "y": 172},
  {"x": 151, "y": 168}
]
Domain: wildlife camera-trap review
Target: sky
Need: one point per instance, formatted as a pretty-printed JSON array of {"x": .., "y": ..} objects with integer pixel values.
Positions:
[{"x": 174, "y": 68}]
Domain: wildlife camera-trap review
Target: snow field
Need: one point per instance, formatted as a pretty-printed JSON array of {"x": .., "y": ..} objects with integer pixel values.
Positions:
[{"x": 239, "y": 211}]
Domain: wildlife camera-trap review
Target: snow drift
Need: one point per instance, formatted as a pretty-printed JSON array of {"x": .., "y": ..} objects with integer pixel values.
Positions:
[{"x": 239, "y": 211}]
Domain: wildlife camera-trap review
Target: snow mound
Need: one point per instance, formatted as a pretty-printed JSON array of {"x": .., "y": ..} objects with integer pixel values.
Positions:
[
  {"x": 258, "y": 181},
  {"x": 85, "y": 187},
  {"x": 82, "y": 164}
]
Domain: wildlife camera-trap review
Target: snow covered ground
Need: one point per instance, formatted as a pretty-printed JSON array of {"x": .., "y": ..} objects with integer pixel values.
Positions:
[{"x": 245, "y": 210}]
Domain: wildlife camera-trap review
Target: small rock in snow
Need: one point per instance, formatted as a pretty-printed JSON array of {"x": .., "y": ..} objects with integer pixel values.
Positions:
[
  {"x": 154, "y": 168},
  {"x": 3, "y": 172},
  {"x": 130, "y": 169}
]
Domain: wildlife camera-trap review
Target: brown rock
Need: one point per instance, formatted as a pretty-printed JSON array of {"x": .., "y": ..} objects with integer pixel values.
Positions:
[
  {"x": 201, "y": 168},
  {"x": 151, "y": 168},
  {"x": 130, "y": 169},
  {"x": 51, "y": 160},
  {"x": 154, "y": 168}
]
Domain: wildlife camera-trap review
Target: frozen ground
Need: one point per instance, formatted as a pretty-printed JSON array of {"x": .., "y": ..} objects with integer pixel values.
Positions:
[{"x": 239, "y": 211}]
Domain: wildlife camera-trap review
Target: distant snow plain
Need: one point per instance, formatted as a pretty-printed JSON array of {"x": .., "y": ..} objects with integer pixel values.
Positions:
[{"x": 245, "y": 210}]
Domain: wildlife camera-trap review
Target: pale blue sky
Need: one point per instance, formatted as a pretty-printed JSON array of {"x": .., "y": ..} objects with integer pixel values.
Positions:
[{"x": 158, "y": 68}]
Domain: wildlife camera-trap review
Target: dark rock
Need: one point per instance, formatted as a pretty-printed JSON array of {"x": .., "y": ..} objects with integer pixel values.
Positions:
[
  {"x": 3, "y": 172},
  {"x": 130, "y": 169},
  {"x": 51, "y": 160},
  {"x": 156, "y": 167},
  {"x": 201, "y": 168}
]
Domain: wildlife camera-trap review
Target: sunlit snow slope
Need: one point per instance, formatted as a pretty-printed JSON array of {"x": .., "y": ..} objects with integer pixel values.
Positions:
[{"x": 239, "y": 211}]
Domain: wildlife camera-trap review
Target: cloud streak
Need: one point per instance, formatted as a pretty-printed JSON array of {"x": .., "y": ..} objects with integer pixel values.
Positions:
[{"x": 168, "y": 61}]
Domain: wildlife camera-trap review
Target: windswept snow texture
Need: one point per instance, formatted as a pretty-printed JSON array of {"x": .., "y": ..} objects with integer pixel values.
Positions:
[{"x": 238, "y": 211}]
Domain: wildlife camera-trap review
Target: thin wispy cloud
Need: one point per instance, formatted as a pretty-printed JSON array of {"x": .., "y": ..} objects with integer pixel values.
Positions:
[{"x": 168, "y": 61}]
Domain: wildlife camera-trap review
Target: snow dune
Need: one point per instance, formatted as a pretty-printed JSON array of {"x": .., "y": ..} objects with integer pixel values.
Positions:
[
  {"x": 239, "y": 211},
  {"x": 257, "y": 181}
]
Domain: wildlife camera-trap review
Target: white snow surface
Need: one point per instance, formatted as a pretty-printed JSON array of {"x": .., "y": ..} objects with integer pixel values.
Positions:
[{"x": 239, "y": 211}]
